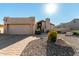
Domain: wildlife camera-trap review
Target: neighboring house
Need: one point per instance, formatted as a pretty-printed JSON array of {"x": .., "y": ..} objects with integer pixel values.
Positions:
[
  {"x": 45, "y": 25},
  {"x": 19, "y": 25},
  {"x": 1, "y": 28},
  {"x": 72, "y": 25}
]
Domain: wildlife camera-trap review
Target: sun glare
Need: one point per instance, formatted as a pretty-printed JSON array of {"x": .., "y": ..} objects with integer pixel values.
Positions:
[{"x": 51, "y": 8}]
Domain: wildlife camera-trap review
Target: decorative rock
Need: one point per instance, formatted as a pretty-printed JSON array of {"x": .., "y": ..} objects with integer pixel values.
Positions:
[
  {"x": 61, "y": 42},
  {"x": 45, "y": 48}
]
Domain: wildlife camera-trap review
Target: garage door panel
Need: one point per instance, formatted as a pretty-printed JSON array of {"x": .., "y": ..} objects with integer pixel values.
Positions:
[{"x": 20, "y": 29}]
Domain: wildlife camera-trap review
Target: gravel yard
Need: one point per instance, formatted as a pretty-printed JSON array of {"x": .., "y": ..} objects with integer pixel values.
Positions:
[
  {"x": 72, "y": 40},
  {"x": 42, "y": 47}
]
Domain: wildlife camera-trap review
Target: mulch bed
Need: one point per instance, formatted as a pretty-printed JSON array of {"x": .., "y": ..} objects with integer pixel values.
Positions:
[{"x": 42, "y": 47}]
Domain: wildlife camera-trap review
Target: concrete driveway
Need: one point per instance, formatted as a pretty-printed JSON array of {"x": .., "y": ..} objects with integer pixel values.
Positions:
[{"x": 13, "y": 44}]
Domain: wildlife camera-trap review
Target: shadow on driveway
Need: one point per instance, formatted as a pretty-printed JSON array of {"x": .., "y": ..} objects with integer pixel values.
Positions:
[{"x": 7, "y": 39}]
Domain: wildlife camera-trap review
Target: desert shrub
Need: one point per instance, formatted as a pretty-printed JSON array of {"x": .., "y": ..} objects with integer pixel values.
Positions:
[
  {"x": 52, "y": 36},
  {"x": 38, "y": 31},
  {"x": 76, "y": 32}
]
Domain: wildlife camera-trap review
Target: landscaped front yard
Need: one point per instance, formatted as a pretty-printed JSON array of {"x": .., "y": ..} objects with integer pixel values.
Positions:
[
  {"x": 39, "y": 46},
  {"x": 42, "y": 47}
]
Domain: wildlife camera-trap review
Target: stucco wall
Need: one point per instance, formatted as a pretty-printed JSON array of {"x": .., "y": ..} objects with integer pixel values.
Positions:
[
  {"x": 29, "y": 20},
  {"x": 43, "y": 25},
  {"x": 1, "y": 30},
  {"x": 48, "y": 26},
  {"x": 19, "y": 21}
]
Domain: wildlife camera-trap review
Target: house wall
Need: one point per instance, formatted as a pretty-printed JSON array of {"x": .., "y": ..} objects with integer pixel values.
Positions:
[
  {"x": 30, "y": 20},
  {"x": 43, "y": 25},
  {"x": 48, "y": 26},
  {"x": 21, "y": 22},
  {"x": 1, "y": 29}
]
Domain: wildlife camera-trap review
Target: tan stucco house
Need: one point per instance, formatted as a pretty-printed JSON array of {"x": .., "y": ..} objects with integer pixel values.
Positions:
[
  {"x": 45, "y": 25},
  {"x": 19, "y": 25}
]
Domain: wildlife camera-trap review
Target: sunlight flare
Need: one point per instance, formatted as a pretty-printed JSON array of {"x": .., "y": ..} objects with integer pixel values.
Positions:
[{"x": 51, "y": 8}]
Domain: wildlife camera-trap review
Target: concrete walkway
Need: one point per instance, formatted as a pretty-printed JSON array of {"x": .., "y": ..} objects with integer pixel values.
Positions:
[{"x": 16, "y": 48}]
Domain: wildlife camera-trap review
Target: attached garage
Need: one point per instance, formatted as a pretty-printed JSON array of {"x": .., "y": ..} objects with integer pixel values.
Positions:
[
  {"x": 19, "y": 25},
  {"x": 20, "y": 29}
]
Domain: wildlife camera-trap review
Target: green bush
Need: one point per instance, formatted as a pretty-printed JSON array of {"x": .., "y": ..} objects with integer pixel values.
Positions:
[
  {"x": 52, "y": 36},
  {"x": 76, "y": 32}
]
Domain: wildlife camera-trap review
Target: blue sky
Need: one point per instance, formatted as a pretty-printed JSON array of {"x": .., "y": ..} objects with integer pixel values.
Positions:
[{"x": 66, "y": 12}]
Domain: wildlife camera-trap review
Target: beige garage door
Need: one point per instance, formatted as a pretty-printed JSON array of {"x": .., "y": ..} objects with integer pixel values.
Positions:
[{"x": 20, "y": 29}]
